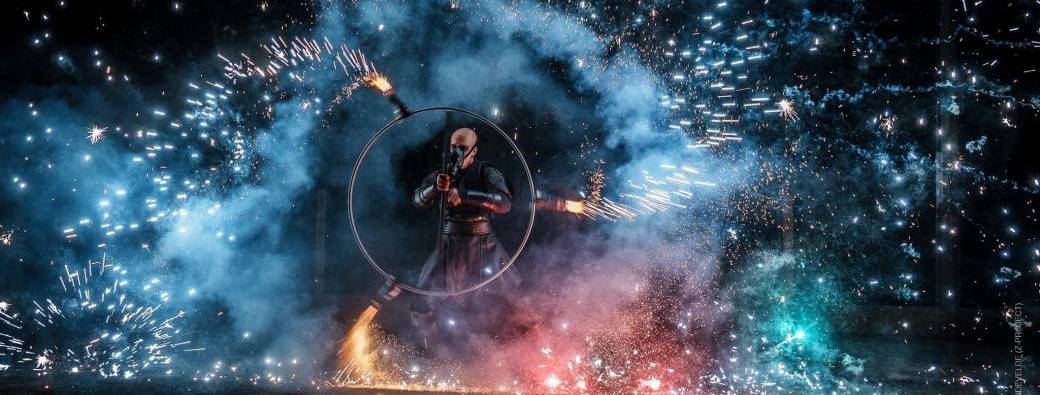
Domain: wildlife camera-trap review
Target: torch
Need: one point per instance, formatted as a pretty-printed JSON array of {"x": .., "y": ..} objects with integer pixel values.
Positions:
[
  {"x": 381, "y": 84},
  {"x": 546, "y": 201}
]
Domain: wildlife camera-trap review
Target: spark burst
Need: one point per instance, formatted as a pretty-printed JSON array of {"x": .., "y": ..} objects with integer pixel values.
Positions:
[
  {"x": 787, "y": 110},
  {"x": 887, "y": 122},
  {"x": 96, "y": 133}
]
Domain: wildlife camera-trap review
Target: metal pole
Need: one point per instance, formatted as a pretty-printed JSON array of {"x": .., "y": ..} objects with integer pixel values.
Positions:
[{"x": 442, "y": 242}]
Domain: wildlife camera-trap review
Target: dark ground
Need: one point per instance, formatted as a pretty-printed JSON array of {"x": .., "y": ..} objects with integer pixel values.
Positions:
[{"x": 906, "y": 373}]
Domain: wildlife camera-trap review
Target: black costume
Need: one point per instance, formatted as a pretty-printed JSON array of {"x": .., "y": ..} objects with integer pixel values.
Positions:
[{"x": 469, "y": 250}]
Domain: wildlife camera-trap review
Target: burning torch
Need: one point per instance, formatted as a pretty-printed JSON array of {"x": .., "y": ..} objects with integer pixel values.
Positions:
[
  {"x": 381, "y": 83},
  {"x": 546, "y": 201}
]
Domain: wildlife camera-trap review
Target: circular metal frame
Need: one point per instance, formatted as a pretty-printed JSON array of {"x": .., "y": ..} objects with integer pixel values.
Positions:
[{"x": 357, "y": 235}]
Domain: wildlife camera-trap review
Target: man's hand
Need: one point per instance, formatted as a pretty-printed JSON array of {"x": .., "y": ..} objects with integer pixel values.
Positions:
[
  {"x": 453, "y": 197},
  {"x": 444, "y": 185},
  {"x": 443, "y": 182}
]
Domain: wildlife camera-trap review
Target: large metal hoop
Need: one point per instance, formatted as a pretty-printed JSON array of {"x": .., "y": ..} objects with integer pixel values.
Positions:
[{"x": 357, "y": 235}]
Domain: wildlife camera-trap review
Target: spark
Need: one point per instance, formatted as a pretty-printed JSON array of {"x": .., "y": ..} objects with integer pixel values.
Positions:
[
  {"x": 95, "y": 133},
  {"x": 552, "y": 382},
  {"x": 6, "y": 237},
  {"x": 887, "y": 122},
  {"x": 787, "y": 111},
  {"x": 42, "y": 361}
]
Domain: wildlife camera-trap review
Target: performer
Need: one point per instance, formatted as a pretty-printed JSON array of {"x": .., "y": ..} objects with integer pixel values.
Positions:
[{"x": 474, "y": 192}]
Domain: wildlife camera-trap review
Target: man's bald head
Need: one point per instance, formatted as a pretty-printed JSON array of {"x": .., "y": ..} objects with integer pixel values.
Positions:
[{"x": 464, "y": 137}]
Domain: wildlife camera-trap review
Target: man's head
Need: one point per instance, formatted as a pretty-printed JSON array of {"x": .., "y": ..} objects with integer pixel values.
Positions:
[{"x": 464, "y": 140}]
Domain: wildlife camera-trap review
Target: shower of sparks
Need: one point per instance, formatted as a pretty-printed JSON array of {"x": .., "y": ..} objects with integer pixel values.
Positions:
[
  {"x": 96, "y": 133},
  {"x": 127, "y": 331},
  {"x": 370, "y": 359},
  {"x": 356, "y": 355},
  {"x": 300, "y": 54}
]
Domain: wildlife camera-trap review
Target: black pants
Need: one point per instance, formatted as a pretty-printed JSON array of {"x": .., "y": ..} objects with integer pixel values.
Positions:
[{"x": 459, "y": 262}]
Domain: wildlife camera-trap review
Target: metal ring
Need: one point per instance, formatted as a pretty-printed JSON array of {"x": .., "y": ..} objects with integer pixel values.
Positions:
[{"x": 357, "y": 235}]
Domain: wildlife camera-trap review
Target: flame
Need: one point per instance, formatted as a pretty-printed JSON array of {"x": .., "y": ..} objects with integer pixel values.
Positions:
[
  {"x": 356, "y": 359},
  {"x": 379, "y": 82},
  {"x": 574, "y": 206}
]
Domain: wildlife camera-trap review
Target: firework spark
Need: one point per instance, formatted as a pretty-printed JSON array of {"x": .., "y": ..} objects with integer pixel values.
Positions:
[
  {"x": 96, "y": 133},
  {"x": 308, "y": 54},
  {"x": 887, "y": 122},
  {"x": 126, "y": 333},
  {"x": 6, "y": 237},
  {"x": 787, "y": 111}
]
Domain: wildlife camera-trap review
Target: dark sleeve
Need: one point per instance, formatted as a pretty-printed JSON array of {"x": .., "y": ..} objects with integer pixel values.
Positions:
[
  {"x": 498, "y": 197},
  {"x": 426, "y": 192}
]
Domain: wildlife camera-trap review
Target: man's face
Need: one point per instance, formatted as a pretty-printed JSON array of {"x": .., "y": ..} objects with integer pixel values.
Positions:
[
  {"x": 464, "y": 142},
  {"x": 465, "y": 149}
]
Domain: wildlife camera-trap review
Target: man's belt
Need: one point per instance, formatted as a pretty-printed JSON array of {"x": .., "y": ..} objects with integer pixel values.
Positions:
[{"x": 472, "y": 228}]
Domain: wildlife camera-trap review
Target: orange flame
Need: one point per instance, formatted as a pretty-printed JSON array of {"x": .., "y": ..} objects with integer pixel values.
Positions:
[
  {"x": 379, "y": 82},
  {"x": 574, "y": 206},
  {"x": 356, "y": 359}
]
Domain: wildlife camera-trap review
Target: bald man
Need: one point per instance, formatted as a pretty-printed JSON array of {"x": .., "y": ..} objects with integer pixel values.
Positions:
[{"x": 474, "y": 192}]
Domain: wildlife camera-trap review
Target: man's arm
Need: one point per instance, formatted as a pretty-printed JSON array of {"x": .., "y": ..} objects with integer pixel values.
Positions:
[
  {"x": 426, "y": 192},
  {"x": 498, "y": 199}
]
